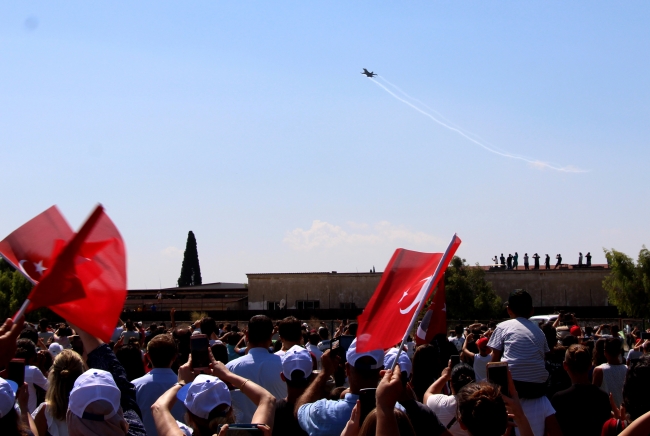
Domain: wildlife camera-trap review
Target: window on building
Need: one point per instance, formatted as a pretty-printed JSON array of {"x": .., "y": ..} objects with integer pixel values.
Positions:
[
  {"x": 272, "y": 305},
  {"x": 308, "y": 304},
  {"x": 347, "y": 306}
]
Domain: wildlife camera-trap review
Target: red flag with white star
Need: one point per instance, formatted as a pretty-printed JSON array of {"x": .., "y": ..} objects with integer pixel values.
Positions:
[
  {"x": 435, "y": 319},
  {"x": 80, "y": 276},
  {"x": 407, "y": 280}
]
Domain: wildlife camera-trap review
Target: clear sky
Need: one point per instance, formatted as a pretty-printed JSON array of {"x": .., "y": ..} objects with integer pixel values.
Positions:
[{"x": 249, "y": 123}]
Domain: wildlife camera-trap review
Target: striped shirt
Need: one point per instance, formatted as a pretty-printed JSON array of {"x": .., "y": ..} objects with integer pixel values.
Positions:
[{"x": 523, "y": 345}]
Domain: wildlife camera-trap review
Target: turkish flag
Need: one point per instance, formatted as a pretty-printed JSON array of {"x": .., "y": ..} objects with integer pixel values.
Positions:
[
  {"x": 435, "y": 320},
  {"x": 406, "y": 281},
  {"x": 83, "y": 277}
]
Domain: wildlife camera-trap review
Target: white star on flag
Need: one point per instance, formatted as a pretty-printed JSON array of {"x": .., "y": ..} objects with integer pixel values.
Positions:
[{"x": 39, "y": 267}]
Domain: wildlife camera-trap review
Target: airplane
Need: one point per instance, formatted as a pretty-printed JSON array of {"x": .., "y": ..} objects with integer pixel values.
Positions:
[{"x": 368, "y": 73}]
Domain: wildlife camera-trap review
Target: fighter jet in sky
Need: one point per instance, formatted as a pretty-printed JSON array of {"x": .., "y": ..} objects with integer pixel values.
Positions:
[{"x": 368, "y": 73}]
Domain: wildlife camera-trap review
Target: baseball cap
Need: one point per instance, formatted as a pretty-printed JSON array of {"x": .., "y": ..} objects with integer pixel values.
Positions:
[
  {"x": 576, "y": 331},
  {"x": 8, "y": 390},
  {"x": 296, "y": 359},
  {"x": 481, "y": 343},
  {"x": 55, "y": 349},
  {"x": 352, "y": 356},
  {"x": 403, "y": 361},
  {"x": 204, "y": 394},
  {"x": 93, "y": 385}
]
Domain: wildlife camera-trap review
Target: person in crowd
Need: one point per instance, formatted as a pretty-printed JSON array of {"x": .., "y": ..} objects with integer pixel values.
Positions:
[
  {"x": 102, "y": 401},
  {"x": 523, "y": 345},
  {"x": 43, "y": 330},
  {"x": 210, "y": 329},
  {"x": 45, "y": 361},
  {"x": 258, "y": 365},
  {"x": 297, "y": 374},
  {"x": 515, "y": 260},
  {"x": 61, "y": 335},
  {"x": 182, "y": 337},
  {"x": 319, "y": 416},
  {"x": 161, "y": 354},
  {"x": 233, "y": 341},
  {"x": 484, "y": 411},
  {"x": 536, "y": 260},
  {"x": 26, "y": 349},
  {"x": 220, "y": 352},
  {"x": 526, "y": 264},
  {"x": 208, "y": 402},
  {"x": 458, "y": 340},
  {"x": 312, "y": 347},
  {"x": 11, "y": 422},
  {"x": 588, "y": 258},
  {"x": 580, "y": 259},
  {"x": 583, "y": 408},
  {"x": 117, "y": 332},
  {"x": 636, "y": 402},
  {"x": 547, "y": 262},
  {"x": 503, "y": 261},
  {"x": 559, "y": 261},
  {"x": 610, "y": 376},
  {"x": 428, "y": 362},
  {"x": 130, "y": 356},
  {"x": 130, "y": 331},
  {"x": 495, "y": 261},
  {"x": 50, "y": 416},
  {"x": 478, "y": 360},
  {"x": 324, "y": 335},
  {"x": 558, "y": 379},
  {"x": 445, "y": 406},
  {"x": 290, "y": 333},
  {"x": 509, "y": 261}
]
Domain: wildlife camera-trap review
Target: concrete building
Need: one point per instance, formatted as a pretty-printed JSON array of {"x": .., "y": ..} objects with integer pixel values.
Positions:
[{"x": 209, "y": 296}]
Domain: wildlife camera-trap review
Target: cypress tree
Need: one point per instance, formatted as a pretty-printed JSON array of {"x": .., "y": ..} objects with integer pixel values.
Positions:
[{"x": 190, "y": 270}]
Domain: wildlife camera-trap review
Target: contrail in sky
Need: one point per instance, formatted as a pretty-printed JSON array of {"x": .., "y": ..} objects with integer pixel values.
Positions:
[{"x": 533, "y": 162}]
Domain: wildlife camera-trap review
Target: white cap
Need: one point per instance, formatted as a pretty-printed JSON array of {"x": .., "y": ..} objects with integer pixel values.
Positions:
[
  {"x": 352, "y": 356},
  {"x": 297, "y": 358},
  {"x": 8, "y": 390},
  {"x": 93, "y": 385},
  {"x": 55, "y": 349},
  {"x": 304, "y": 324},
  {"x": 404, "y": 362},
  {"x": 204, "y": 394}
]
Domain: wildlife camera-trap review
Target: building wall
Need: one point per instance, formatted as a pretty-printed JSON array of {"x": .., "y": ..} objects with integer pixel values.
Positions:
[
  {"x": 330, "y": 289},
  {"x": 573, "y": 287}
]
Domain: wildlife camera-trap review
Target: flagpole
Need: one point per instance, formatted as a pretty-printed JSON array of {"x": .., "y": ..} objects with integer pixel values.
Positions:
[
  {"x": 434, "y": 279},
  {"x": 21, "y": 311}
]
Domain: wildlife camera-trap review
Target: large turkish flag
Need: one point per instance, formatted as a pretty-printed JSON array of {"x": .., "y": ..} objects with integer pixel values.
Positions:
[
  {"x": 80, "y": 276},
  {"x": 435, "y": 320},
  {"x": 406, "y": 281}
]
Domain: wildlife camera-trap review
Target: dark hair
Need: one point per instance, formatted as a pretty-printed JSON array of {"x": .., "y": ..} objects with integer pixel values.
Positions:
[
  {"x": 298, "y": 379},
  {"x": 233, "y": 339},
  {"x": 404, "y": 426},
  {"x": 636, "y": 387},
  {"x": 598, "y": 357},
  {"x": 220, "y": 353},
  {"x": 551, "y": 335},
  {"x": 129, "y": 325},
  {"x": 25, "y": 349},
  {"x": 290, "y": 329},
  {"x": 260, "y": 329},
  {"x": 459, "y": 329},
  {"x": 29, "y": 333},
  {"x": 352, "y": 328},
  {"x": 482, "y": 410},
  {"x": 578, "y": 358},
  {"x": 12, "y": 425},
  {"x": 428, "y": 363},
  {"x": 613, "y": 347},
  {"x": 461, "y": 375},
  {"x": 323, "y": 332},
  {"x": 314, "y": 339},
  {"x": 567, "y": 341},
  {"x": 520, "y": 303},
  {"x": 277, "y": 346},
  {"x": 130, "y": 357},
  {"x": 182, "y": 336},
  {"x": 162, "y": 351},
  {"x": 43, "y": 323},
  {"x": 335, "y": 394},
  {"x": 208, "y": 326}
]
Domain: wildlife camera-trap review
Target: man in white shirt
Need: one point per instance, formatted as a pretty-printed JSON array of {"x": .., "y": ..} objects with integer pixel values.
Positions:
[
  {"x": 161, "y": 352},
  {"x": 458, "y": 340},
  {"x": 479, "y": 360},
  {"x": 258, "y": 365},
  {"x": 26, "y": 349},
  {"x": 324, "y": 335},
  {"x": 312, "y": 347},
  {"x": 290, "y": 333}
]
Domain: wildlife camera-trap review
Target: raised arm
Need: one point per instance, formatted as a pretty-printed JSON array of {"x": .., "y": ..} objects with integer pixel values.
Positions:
[
  {"x": 162, "y": 416},
  {"x": 314, "y": 392},
  {"x": 437, "y": 386},
  {"x": 389, "y": 389},
  {"x": 464, "y": 351}
]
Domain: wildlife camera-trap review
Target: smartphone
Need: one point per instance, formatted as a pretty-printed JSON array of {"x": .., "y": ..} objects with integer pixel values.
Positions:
[
  {"x": 199, "y": 347},
  {"x": 368, "y": 400},
  {"x": 497, "y": 373},
  {"x": 645, "y": 335},
  {"x": 345, "y": 342},
  {"x": 455, "y": 360},
  {"x": 16, "y": 371},
  {"x": 242, "y": 429}
]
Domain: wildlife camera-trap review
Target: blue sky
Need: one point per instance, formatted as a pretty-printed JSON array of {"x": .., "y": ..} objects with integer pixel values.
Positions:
[{"x": 249, "y": 123}]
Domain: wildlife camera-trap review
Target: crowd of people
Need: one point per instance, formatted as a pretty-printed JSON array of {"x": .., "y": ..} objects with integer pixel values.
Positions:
[
  {"x": 512, "y": 261},
  {"x": 290, "y": 378}
]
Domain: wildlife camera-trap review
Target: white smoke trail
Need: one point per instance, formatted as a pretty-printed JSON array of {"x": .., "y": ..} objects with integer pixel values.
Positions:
[{"x": 534, "y": 162}]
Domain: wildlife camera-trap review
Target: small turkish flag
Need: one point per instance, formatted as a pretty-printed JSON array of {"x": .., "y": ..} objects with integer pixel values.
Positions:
[
  {"x": 83, "y": 276},
  {"x": 406, "y": 281},
  {"x": 435, "y": 320}
]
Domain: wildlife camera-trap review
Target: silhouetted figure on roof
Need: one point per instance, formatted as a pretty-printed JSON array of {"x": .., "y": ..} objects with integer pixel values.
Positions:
[
  {"x": 559, "y": 261},
  {"x": 588, "y": 257},
  {"x": 509, "y": 261},
  {"x": 526, "y": 260},
  {"x": 536, "y": 258},
  {"x": 580, "y": 260},
  {"x": 515, "y": 260},
  {"x": 503, "y": 261},
  {"x": 547, "y": 262}
]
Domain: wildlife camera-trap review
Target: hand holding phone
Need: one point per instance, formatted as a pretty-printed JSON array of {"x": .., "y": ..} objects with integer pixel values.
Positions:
[
  {"x": 199, "y": 346},
  {"x": 16, "y": 371},
  {"x": 497, "y": 373}
]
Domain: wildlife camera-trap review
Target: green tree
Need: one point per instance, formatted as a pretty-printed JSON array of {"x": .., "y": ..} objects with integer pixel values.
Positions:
[
  {"x": 468, "y": 294},
  {"x": 190, "y": 270},
  {"x": 14, "y": 289},
  {"x": 628, "y": 284}
]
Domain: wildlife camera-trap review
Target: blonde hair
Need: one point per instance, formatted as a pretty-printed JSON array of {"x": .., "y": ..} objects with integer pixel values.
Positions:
[{"x": 67, "y": 367}]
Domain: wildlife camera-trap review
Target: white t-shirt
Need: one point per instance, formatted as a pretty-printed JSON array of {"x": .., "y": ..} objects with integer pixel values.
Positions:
[
  {"x": 313, "y": 349},
  {"x": 444, "y": 407},
  {"x": 458, "y": 342},
  {"x": 34, "y": 376},
  {"x": 480, "y": 366},
  {"x": 536, "y": 411}
]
